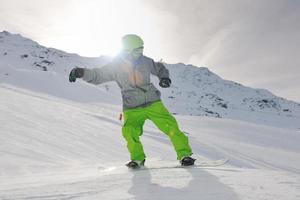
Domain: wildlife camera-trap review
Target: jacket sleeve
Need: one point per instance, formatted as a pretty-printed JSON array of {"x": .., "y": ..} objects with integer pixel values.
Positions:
[
  {"x": 100, "y": 75},
  {"x": 158, "y": 69}
]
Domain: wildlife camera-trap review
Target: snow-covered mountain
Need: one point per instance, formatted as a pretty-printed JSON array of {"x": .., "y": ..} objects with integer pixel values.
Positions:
[
  {"x": 194, "y": 90},
  {"x": 63, "y": 141}
]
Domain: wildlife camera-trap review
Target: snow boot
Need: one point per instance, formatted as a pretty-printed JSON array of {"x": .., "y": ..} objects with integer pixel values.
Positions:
[
  {"x": 135, "y": 164},
  {"x": 187, "y": 161}
]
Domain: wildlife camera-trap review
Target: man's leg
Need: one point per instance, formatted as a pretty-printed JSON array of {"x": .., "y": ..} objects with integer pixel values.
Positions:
[
  {"x": 161, "y": 117},
  {"x": 134, "y": 120}
]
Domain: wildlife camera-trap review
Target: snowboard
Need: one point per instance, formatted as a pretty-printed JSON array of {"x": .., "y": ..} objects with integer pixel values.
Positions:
[{"x": 203, "y": 164}]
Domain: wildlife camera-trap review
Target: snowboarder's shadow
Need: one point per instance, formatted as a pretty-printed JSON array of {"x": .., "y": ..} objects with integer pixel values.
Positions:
[{"x": 203, "y": 186}]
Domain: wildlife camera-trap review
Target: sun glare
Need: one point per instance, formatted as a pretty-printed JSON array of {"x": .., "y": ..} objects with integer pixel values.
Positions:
[
  {"x": 99, "y": 25},
  {"x": 95, "y": 27}
]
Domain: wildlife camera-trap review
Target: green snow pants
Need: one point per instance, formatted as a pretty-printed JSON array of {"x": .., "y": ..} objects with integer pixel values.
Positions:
[{"x": 134, "y": 120}]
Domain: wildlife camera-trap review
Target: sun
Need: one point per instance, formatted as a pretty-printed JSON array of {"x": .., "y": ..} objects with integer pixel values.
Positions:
[
  {"x": 95, "y": 27},
  {"x": 105, "y": 22}
]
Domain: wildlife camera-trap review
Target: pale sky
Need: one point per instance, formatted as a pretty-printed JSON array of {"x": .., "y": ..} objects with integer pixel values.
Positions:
[{"x": 253, "y": 42}]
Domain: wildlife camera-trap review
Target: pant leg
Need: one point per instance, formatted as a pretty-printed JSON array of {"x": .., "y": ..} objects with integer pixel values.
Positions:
[
  {"x": 161, "y": 117},
  {"x": 132, "y": 129}
]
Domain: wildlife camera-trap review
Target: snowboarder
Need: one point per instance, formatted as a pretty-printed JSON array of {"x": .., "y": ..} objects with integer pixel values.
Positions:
[{"x": 141, "y": 99}]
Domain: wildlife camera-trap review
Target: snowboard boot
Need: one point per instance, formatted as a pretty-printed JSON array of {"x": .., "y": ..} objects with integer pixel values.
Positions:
[
  {"x": 135, "y": 164},
  {"x": 187, "y": 161}
]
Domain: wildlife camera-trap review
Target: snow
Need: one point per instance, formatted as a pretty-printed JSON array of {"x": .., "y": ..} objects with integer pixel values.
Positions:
[
  {"x": 61, "y": 140},
  {"x": 53, "y": 148}
]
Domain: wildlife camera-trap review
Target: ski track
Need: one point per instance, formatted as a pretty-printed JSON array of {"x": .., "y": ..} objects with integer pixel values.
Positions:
[{"x": 43, "y": 156}]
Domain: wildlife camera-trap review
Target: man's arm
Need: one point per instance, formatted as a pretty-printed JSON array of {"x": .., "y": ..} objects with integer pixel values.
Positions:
[
  {"x": 162, "y": 73},
  {"x": 158, "y": 69},
  {"x": 95, "y": 76},
  {"x": 99, "y": 75}
]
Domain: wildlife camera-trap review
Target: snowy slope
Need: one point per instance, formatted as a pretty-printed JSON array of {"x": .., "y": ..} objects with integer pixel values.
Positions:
[
  {"x": 194, "y": 91},
  {"x": 63, "y": 141},
  {"x": 53, "y": 148}
]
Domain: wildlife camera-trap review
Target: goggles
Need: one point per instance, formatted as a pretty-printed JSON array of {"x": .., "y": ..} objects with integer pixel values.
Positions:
[{"x": 135, "y": 52}]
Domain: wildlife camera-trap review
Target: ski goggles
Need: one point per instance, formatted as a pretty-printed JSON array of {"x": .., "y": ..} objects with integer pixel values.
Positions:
[{"x": 135, "y": 53}]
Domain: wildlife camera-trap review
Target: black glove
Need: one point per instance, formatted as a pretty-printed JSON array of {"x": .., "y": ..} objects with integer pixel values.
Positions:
[
  {"x": 165, "y": 82},
  {"x": 76, "y": 73}
]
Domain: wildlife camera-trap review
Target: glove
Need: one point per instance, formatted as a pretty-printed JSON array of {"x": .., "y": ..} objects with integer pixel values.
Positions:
[
  {"x": 76, "y": 73},
  {"x": 165, "y": 82}
]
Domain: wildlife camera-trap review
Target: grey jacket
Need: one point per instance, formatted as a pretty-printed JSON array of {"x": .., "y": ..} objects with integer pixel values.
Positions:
[{"x": 133, "y": 79}]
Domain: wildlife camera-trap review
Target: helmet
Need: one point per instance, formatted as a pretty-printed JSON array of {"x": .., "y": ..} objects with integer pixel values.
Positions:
[{"x": 131, "y": 42}]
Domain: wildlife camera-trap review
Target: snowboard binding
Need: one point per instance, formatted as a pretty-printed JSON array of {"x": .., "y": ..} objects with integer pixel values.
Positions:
[
  {"x": 135, "y": 164},
  {"x": 187, "y": 161}
]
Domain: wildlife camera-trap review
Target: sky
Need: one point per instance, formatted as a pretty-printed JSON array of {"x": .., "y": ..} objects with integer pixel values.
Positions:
[{"x": 253, "y": 42}]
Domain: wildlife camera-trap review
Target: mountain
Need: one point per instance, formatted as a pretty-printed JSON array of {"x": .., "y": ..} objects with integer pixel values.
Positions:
[
  {"x": 194, "y": 90},
  {"x": 63, "y": 141}
]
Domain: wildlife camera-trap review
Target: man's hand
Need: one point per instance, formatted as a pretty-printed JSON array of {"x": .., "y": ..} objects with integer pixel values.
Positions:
[
  {"x": 165, "y": 82},
  {"x": 76, "y": 73}
]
